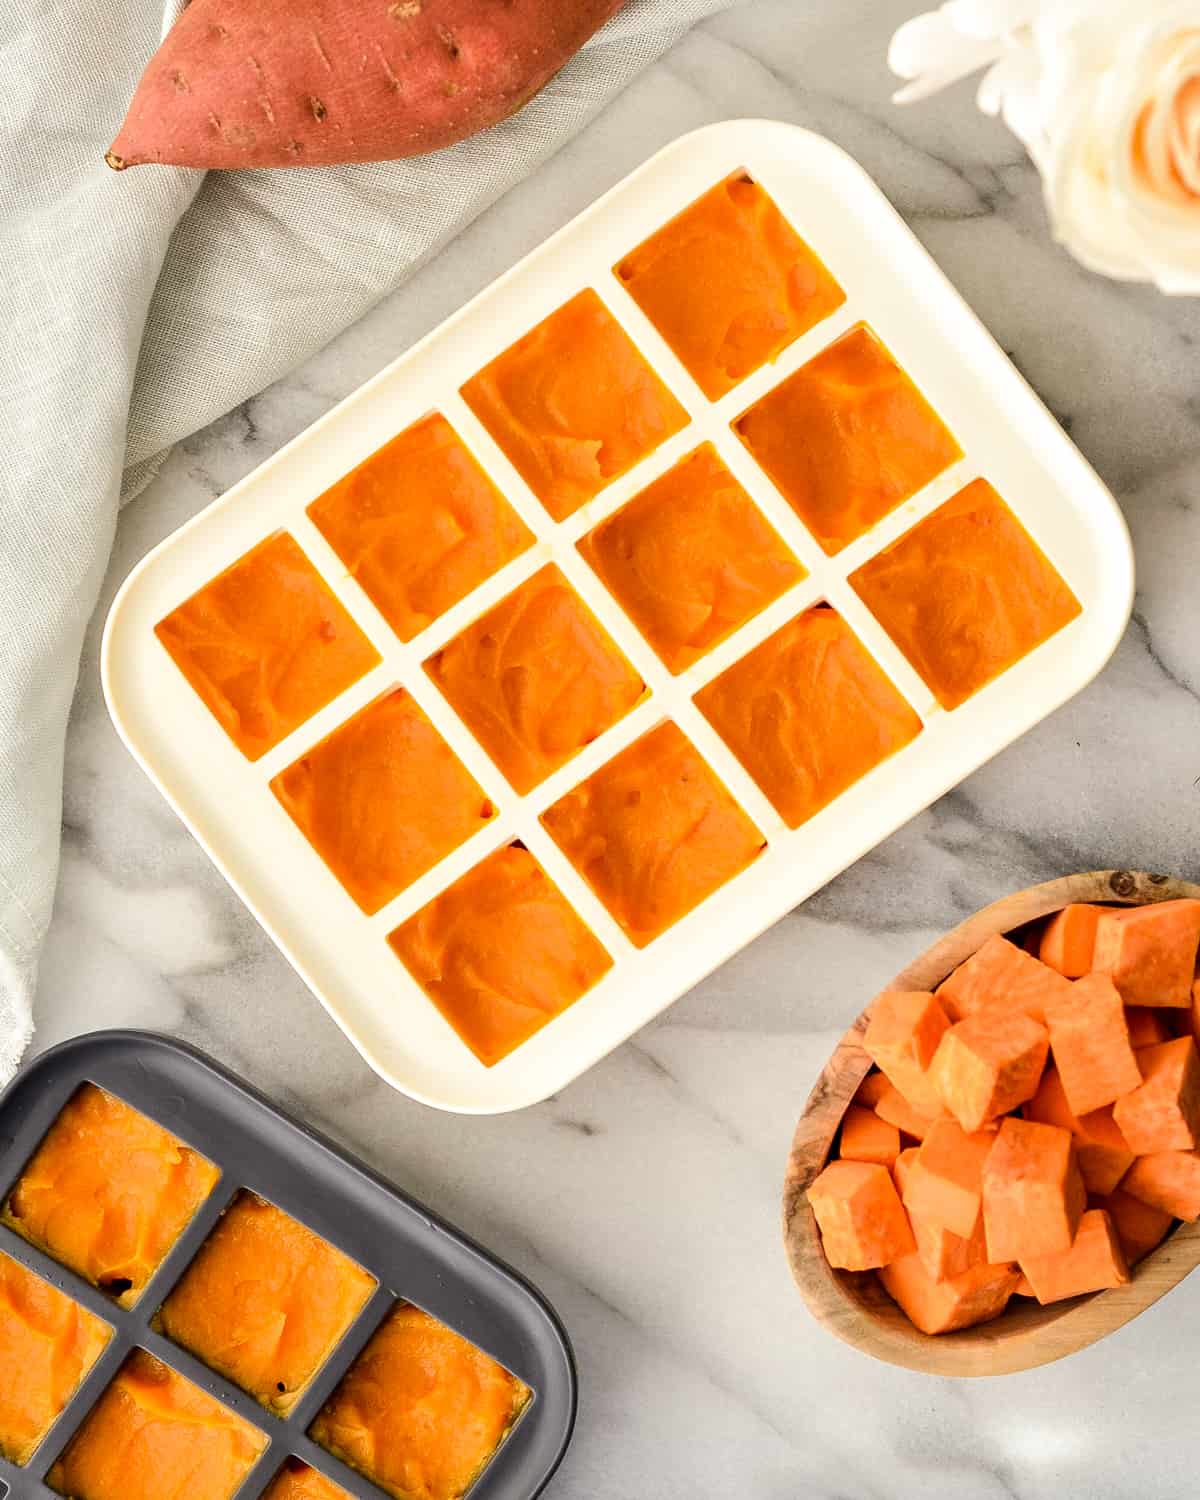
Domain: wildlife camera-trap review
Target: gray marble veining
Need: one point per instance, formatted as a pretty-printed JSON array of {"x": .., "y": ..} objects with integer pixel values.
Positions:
[{"x": 644, "y": 1199}]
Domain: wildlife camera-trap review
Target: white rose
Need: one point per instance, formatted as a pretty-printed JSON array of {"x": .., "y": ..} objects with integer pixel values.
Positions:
[{"x": 1106, "y": 96}]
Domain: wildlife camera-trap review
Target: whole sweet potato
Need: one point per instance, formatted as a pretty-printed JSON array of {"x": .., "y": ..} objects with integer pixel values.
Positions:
[{"x": 274, "y": 83}]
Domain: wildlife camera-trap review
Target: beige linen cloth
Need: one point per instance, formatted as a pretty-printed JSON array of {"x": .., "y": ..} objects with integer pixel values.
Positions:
[{"x": 139, "y": 306}]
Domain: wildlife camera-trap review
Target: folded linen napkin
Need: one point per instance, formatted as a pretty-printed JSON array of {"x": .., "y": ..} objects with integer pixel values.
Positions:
[{"x": 141, "y": 306}]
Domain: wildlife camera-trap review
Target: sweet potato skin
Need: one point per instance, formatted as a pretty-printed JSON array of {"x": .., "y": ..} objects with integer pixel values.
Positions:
[{"x": 257, "y": 83}]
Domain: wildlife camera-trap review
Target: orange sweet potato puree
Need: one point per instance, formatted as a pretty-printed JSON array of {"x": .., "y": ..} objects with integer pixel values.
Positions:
[
  {"x": 536, "y": 678},
  {"x": 729, "y": 284},
  {"x": 808, "y": 713},
  {"x": 653, "y": 832},
  {"x": 47, "y": 1345},
  {"x": 419, "y": 524},
  {"x": 265, "y": 1301},
  {"x": 966, "y": 593},
  {"x": 573, "y": 404},
  {"x": 266, "y": 644},
  {"x": 155, "y": 1436},
  {"x": 847, "y": 438},
  {"x": 500, "y": 953},
  {"x": 421, "y": 1410},
  {"x": 691, "y": 558},
  {"x": 108, "y": 1192},
  {"x": 296, "y": 1481},
  {"x": 382, "y": 799}
]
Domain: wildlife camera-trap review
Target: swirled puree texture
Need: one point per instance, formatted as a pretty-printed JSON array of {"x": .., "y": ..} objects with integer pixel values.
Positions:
[
  {"x": 108, "y": 1192},
  {"x": 808, "y": 713},
  {"x": 382, "y": 799},
  {"x": 47, "y": 1345},
  {"x": 691, "y": 558},
  {"x": 419, "y": 524},
  {"x": 421, "y": 1410},
  {"x": 966, "y": 593},
  {"x": 155, "y": 1436},
  {"x": 536, "y": 679},
  {"x": 573, "y": 404},
  {"x": 654, "y": 832},
  {"x": 847, "y": 438},
  {"x": 729, "y": 284},
  {"x": 266, "y": 644},
  {"x": 500, "y": 953},
  {"x": 265, "y": 1301},
  {"x": 296, "y": 1481}
]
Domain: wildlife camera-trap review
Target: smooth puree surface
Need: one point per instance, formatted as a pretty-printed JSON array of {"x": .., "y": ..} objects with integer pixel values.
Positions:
[
  {"x": 108, "y": 1192},
  {"x": 573, "y": 404},
  {"x": 419, "y": 525},
  {"x": 729, "y": 284},
  {"x": 48, "y": 1343},
  {"x": 265, "y": 1301},
  {"x": 654, "y": 832},
  {"x": 691, "y": 558},
  {"x": 266, "y": 644},
  {"x": 808, "y": 713},
  {"x": 296, "y": 1481},
  {"x": 155, "y": 1436},
  {"x": 421, "y": 1410},
  {"x": 536, "y": 678},
  {"x": 966, "y": 593},
  {"x": 847, "y": 438},
  {"x": 500, "y": 953},
  {"x": 382, "y": 799}
]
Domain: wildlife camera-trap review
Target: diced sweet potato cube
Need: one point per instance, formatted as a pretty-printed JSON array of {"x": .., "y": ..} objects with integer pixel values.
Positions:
[
  {"x": 872, "y": 1089},
  {"x": 1103, "y": 1152},
  {"x": 1001, "y": 974},
  {"x": 1149, "y": 1027},
  {"x": 1069, "y": 939},
  {"x": 944, "y": 1185},
  {"x": 1033, "y": 1194},
  {"x": 1150, "y": 951},
  {"x": 1169, "y": 1180},
  {"x": 1163, "y": 1113},
  {"x": 1140, "y": 1226},
  {"x": 1049, "y": 1105},
  {"x": 902, "y": 1167},
  {"x": 987, "y": 1064},
  {"x": 974, "y": 1296},
  {"x": 942, "y": 1252},
  {"x": 1093, "y": 1261},
  {"x": 902, "y": 1036},
  {"x": 893, "y": 1107},
  {"x": 1194, "y": 1017},
  {"x": 1090, "y": 1042},
  {"x": 865, "y": 1137},
  {"x": 858, "y": 1211},
  {"x": 1023, "y": 1287}
]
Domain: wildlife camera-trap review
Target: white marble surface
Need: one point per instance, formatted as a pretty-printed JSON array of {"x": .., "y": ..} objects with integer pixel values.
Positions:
[{"x": 645, "y": 1198}]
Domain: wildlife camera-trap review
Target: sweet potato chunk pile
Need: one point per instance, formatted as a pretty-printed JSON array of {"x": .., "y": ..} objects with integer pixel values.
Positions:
[{"x": 1032, "y": 1128}]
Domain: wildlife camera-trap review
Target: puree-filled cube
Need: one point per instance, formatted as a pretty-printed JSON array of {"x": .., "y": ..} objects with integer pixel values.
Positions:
[
  {"x": 47, "y": 1345},
  {"x": 902, "y": 1037},
  {"x": 536, "y": 678},
  {"x": 382, "y": 799},
  {"x": 847, "y": 439},
  {"x": 296, "y": 1481},
  {"x": 858, "y": 1211},
  {"x": 973, "y": 1296},
  {"x": 1090, "y": 1041},
  {"x": 988, "y": 1064},
  {"x": 421, "y": 1410},
  {"x": 691, "y": 558},
  {"x": 1149, "y": 952},
  {"x": 729, "y": 284},
  {"x": 573, "y": 404},
  {"x": 419, "y": 524},
  {"x": 108, "y": 1192},
  {"x": 654, "y": 832},
  {"x": 154, "y": 1434},
  {"x": 1001, "y": 975},
  {"x": 1093, "y": 1262},
  {"x": 1033, "y": 1195},
  {"x": 808, "y": 713},
  {"x": 966, "y": 594},
  {"x": 500, "y": 952},
  {"x": 1163, "y": 1112},
  {"x": 265, "y": 1301},
  {"x": 266, "y": 644}
]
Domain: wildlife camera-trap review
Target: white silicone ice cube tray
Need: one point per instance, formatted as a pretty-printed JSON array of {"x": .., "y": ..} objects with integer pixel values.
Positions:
[{"x": 1006, "y": 435}]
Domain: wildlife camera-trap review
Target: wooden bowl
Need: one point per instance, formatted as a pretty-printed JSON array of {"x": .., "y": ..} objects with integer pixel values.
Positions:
[{"x": 853, "y": 1305}]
